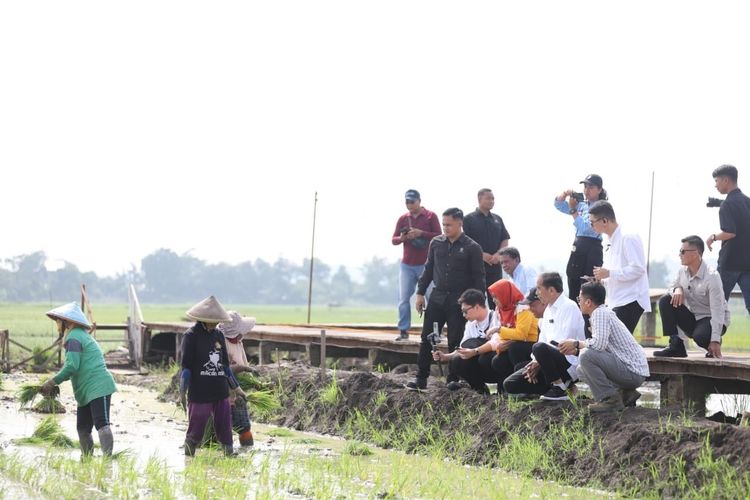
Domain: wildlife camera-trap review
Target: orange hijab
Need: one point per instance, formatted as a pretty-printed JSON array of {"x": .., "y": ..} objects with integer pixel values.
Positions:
[{"x": 507, "y": 296}]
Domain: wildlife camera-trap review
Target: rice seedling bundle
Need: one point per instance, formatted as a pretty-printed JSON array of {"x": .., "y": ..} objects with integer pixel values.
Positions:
[
  {"x": 48, "y": 404},
  {"x": 250, "y": 382},
  {"x": 49, "y": 432}
]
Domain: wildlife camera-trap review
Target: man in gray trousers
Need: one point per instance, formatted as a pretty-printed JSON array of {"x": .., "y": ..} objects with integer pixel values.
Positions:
[{"x": 611, "y": 362}]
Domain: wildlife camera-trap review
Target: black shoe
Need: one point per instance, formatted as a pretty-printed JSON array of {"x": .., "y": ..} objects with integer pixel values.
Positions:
[
  {"x": 189, "y": 448},
  {"x": 403, "y": 335},
  {"x": 676, "y": 349},
  {"x": 417, "y": 385},
  {"x": 453, "y": 386},
  {"x": 555, "y": 394},
  {"x": 629, "y": 397}
]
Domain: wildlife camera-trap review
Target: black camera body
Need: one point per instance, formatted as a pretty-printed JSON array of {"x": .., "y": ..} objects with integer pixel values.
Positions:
[
  {"x": 577, "y": 196},
  {"x": 714, "y": 202}
]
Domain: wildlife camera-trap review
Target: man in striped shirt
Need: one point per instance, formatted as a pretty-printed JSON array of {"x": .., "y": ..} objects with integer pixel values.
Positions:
[{"x": 611, "y": 362}]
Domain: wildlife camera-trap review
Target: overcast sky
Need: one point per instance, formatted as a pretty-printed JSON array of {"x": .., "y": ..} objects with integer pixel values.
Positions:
[{"x": 206, "y": 127}]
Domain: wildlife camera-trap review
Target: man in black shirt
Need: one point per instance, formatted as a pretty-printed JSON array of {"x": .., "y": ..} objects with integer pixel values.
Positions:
[
  {"x": 489, "y": 231},
  {"x": 454, "y": 264},
  {"x": 734, "y": 219}
]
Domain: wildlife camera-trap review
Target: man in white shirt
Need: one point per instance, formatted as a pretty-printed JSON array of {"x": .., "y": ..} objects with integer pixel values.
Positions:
[
  {"x": 550, "y": 373},
  {"x": 522, "y": 276},
  {"x": 611, "y": 361},
  {"x": 466, "y": 361},
  {"x": 624, "y": 269}
]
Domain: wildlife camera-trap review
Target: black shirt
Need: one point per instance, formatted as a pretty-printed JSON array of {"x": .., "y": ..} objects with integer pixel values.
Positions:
[
  {"x": 204, "y": 353},
  {"x": 487, "y": 230},
  {"x": 454, "y": 267},
  {"x": 734, "y": 217}
]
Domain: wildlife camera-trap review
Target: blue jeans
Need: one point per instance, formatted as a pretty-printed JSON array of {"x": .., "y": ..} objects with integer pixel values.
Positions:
[
  {"x": 731, "y": 278},
  {"x": 407, "y": 281}
]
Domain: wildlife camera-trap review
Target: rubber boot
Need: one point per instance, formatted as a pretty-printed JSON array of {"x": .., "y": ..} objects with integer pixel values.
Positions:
[
  {"x": 87, "y": 443},
  {"x": 189, "y": 448},
  {"x": 676, "y": 349},
  {"x": 246, "y": 438},
  {"x": 229, "y": 450},
  {"x": 106, "y": 440}
]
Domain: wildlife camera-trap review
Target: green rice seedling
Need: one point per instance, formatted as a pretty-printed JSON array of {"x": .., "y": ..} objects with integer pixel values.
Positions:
[
  {"x": 331, "y": 393},
  {"x": 263, "y": 402},
  {"x": 250, "y": 382},
  {"x": 380, "y": 398},
  {"x": 49, "y": 405},
  {"x": 280, "y": 432},
  {"x": 28, "y": 392},
  {"x": 307, "y": 441},
  {"x": 357, "y": 449},
  {"x": 48, "y": 432}
]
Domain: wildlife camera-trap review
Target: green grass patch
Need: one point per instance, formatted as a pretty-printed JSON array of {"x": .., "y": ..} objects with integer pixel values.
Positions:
[{"x": 280, "y": 432}]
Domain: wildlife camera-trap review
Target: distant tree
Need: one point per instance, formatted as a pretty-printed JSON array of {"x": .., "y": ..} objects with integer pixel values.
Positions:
[
  {"x": 380, "y": 282},
  {"x": 341, "y": 287},
  {"x": 658, "y": 274}
]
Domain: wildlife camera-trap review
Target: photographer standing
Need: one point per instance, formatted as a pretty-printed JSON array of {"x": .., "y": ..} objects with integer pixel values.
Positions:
[
  {"x": 734, "y": 220},
  {"x": 587, "y": 247},
  {"x": 415, "y": 229}
]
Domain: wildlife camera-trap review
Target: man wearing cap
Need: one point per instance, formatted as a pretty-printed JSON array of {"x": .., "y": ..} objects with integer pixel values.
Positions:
[
  {"x": 623, "y": 270},
  {"x": 207, "y": 378},
  {"x": 454, "y": 264},
  {"x": 415, "y": 229},
  {"x": 92, "y": 383},
  {"x": 587, "y": 246},
  {"x": 234, "y": 331},
  {"x": 489, "y": 231}
]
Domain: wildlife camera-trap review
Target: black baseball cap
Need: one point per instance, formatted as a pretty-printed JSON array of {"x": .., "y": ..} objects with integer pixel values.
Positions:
[
  {"x": 412, "y": 195},
  {"x": 593, "y": 179},
  {"x": 530, "y": 297}
]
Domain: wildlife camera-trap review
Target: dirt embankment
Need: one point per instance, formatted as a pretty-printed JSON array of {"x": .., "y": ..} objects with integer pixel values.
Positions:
[{"x": 636, "y": 451}]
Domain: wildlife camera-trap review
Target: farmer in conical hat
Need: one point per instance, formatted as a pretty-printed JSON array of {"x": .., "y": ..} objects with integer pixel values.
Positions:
[
  {"x": 207, "y": 378},
  {"x": 93, "y": 385},
  {"x": 233, "y": 332}
]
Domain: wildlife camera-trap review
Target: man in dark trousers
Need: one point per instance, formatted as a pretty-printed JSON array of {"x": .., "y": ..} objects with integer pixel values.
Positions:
[
  {"x": 454, "y": 264},
  {"x": 489, "y": 231},
  {"x": 734, "y": 219}
]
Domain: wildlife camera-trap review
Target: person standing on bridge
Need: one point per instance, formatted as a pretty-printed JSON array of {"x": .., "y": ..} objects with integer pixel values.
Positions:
[
  {"x": 414, "y": 230},
  {"x": 93, "y": 384},
  {"x": 734, "y": 219},
  {"x": 624, "y": 269},
  {"x": 695, "y": 304},
  {"x": 454, "y": 264}
]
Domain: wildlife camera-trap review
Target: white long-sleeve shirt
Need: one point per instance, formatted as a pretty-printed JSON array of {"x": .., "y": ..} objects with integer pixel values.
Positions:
[
  {"x": 626, "y": 262},
  {"x": 524, "y": 278},
  {"x": 563, "y": 320}
]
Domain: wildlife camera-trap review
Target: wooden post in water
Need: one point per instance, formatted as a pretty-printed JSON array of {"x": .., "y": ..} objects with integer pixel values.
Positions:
[{"x": 322, "y": 352}]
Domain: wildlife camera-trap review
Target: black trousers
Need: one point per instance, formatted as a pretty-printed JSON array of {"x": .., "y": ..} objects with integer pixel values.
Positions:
[
  {"x": 95, "y": 413},
  {"x": 510, "y": 360},
  {"x": 672, "y": 317},
  {"x": 474, "y": 371},
  {"x": 552, "y": 366},
  {"x": 629, "y": 314},
  {"x": 587, "y": 254},
  {"x": 443, "y": 312},
  {"x": 491, "y": 275}
]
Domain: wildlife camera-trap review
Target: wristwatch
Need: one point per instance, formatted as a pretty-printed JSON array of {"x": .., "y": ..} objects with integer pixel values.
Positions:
[{"x": 573, "y": 211}]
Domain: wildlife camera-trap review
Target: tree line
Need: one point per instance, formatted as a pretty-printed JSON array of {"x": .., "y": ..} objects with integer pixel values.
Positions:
[{"x": 167, "y": 277}]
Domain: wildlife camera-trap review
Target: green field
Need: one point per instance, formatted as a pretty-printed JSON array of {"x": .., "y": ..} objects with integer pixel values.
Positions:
[{"x": 28, "y": 324}]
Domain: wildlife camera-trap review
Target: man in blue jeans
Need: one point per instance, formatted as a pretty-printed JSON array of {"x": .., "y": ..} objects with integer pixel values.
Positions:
[
  {"x": 414, "y": 230},
  {"x": 734, "y": 220}
]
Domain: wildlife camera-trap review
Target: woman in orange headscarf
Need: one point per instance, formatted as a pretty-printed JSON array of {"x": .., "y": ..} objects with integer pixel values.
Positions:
[{"x": 518, "y": 330}]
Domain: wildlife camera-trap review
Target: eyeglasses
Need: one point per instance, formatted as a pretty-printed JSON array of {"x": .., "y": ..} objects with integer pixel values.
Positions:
[
  {"x": 683, "y": 250},
  {"x": 594, "y": 221},
  {"x": 465, "y": 310}
]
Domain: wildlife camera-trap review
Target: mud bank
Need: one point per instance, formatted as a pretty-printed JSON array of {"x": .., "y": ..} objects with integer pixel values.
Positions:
[{"x": 639, "y": 451}]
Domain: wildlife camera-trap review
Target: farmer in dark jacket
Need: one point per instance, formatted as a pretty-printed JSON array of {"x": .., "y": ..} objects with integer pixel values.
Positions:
[{"x": 207, "y": 378}]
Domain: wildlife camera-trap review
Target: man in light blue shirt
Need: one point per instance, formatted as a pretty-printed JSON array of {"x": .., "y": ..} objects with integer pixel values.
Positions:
[{"x": 523, "y": 277}]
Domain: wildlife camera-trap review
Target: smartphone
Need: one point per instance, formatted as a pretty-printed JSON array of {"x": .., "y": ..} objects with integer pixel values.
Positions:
[{"x": 554, "y": 343}]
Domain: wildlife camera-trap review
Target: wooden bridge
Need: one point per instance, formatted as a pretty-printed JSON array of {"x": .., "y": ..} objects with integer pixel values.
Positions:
[{"x": 685, "y": 382}]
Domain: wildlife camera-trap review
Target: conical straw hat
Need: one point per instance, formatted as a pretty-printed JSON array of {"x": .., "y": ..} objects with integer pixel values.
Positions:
[
  {"x": 70, "y": 312},
  {"x": 237, "y": 326},
  {"x": 209, "y": 310}
]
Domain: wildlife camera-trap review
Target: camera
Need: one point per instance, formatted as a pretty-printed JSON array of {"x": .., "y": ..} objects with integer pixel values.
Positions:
[
  {"x": 577, "y": 196},
  {"x": 714, "y": 202}
]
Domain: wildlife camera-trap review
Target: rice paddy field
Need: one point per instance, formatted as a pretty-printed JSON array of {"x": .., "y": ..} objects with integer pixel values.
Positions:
[{"x": 29, "y": 326}]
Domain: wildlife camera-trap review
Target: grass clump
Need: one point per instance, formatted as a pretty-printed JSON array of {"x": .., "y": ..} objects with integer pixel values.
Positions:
[
  {"x": 280, "y": 432},
  {"x": 331, "y": 393},
  {"x": 357, "y": 449},
  {"x": 49, "y": 432}
]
